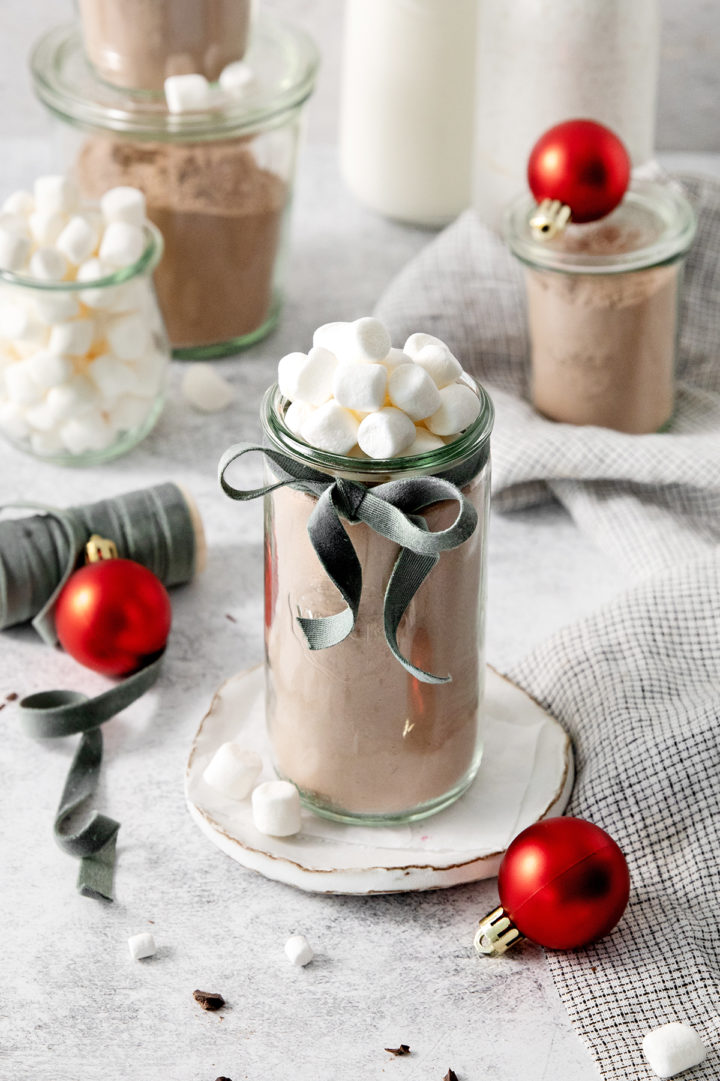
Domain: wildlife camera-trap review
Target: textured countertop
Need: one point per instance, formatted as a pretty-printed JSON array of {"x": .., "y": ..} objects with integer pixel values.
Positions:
[{"x": 388, "y": 969}]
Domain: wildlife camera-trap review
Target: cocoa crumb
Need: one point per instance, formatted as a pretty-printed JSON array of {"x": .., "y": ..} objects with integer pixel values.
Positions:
[
  {"x": 450, "y": 1076},
  {"x": 231, "y": 618},
  {"x": 223, "y": 1079},
  {"x": 12, "y": 697},
  {"x": 209, "y": 1000},
  {"x": 403, "y": 1049}
]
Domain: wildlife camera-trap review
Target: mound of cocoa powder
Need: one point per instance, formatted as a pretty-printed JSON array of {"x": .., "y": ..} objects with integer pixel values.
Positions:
[{"x": 220, "y": 214}]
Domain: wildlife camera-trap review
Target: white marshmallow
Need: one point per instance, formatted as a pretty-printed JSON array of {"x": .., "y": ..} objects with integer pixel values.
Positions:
[
  {"x": 672, "y": 1048},
  {"x": 49, "y": 369},
  {"x": 78, "y": 240},
  {"x": 206, "y": 389},
  {"x": 14, "y": 223},
  {"x": 237, "y": 78},
  {"x": 385, "y": 434},
  {"x": 367, "y": 339},
  {"x": 395, "y": 358},
  {"x": 71, "y": 399},
  {"x": 18, "y": 323},
  {"x": 296, "y": 415},
  {"x": 72, "y": 339},
  {"x": 331, "y": 428},
  {"x": 48, "y": 265},
  {"x": 459, "y": 407},
  {"x": 128, "y": 413},
  {"x": 423, "y": 443},
  {"x": 88, "y": 432},
  {"x": 128, "y": 336},
  {"x": 276, "y": 808},
  {"x": 142, "y": 945},
  {"x": 442, "y": 367},
  {"x": 412, "y": 390},
  {"x": 332, "y": 336},
  {"x": 103, "y": 298},
  {"x": 40, "y": 417},
  {"x": 134, "y": 295},
  {"x": 298, "y": 950},
  {"x": 360, "y": 387},
  {"x": 307, "y": 377},
  {"x": 111, "y": 377},
  {"x": 14, "y": 249},
  {"x": 418, "y": 341},
  {"x": 12, "y": 420},
  {"x": 122, "y": 244},
  {"x": 46, "y": 444},
  {"x": 55, "y": 194},
  {"x": 20, "y": 386},
  {"x": 150, "y": 374},
  {"x": 233, "y": 771},
  {"x": 56, "y": 307},
  {"x": 186, "y": 93},
  {"x": 46, "y": 227},
  {"x": 124, "y": 204},
  {"x": 19, "y": 202}
]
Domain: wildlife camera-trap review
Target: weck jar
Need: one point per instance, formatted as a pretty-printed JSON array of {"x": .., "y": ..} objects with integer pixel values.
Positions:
[
  {"x": 361, "y": 737},
  {"x": 217, "y": 181},
  {"x": 603, "y": 300}
]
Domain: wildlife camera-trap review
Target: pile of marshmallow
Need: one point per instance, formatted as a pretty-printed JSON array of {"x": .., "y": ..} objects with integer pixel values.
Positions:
[
  {"x": 78, "y": 367},
  {"x": 354, "y": 394},
  {"x": 192, "y": 92}
]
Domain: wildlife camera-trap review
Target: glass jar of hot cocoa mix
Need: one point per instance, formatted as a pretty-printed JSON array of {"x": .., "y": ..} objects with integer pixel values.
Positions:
[
  {"x": 217, "y": 180},
  {"x": 603, "y": 302},
  {"x": 385, "y": 724}
]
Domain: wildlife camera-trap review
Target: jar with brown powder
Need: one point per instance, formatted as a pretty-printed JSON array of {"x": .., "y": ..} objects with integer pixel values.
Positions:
[
  {"x": 603, "y": 309},
  {"x": 218, "y": 182}
]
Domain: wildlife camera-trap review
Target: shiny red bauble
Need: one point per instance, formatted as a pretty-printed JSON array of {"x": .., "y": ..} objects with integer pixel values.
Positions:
[
  {"x": 582, "y": 164},
  {"x": 564, "y": 883},
  {"x": 112, "y": 616}
]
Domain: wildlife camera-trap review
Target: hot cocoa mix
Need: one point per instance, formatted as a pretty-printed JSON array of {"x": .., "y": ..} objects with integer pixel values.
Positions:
[{"x": 220, "y": 214}]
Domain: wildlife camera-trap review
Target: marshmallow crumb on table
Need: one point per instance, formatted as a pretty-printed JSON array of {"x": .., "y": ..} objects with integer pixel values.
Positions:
[
  {"x": 298, "y": 950},
  {"x": 673, "y": 1048},
  {"x": 276, "y": 808},
  {"x": 205, "y": 389},
  {"x": 233, "y": 771},
  {"x": 142, "y": 945}
]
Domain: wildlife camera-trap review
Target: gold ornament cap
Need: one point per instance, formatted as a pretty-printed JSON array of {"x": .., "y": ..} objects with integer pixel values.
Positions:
[
  {"x": 549, "y": 219},
  {"x": 99, "y": 549},
  {"x": 496, "y": 933}
]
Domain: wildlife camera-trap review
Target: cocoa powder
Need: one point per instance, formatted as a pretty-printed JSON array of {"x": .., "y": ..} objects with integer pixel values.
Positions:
[{"x": 220, "y": 214}]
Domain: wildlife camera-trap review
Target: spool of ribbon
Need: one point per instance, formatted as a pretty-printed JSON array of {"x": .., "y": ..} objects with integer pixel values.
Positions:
[
  {"x": 394, "y": 510},
  {"x": 158, "y": 527}
]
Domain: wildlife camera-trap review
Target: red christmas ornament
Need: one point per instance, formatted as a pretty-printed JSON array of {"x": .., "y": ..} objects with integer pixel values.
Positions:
[
  {"x": 563, "y": 883},
  {"x": 113, "y": 615},
  {"x": 581, "y": 164}
]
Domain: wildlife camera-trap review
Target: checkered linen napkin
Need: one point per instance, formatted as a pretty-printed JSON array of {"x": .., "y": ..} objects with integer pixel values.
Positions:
[{"x": 637, "y": 685}]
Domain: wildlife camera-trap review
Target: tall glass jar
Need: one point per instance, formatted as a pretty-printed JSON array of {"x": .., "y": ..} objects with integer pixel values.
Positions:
[
  {"x": 83, "y": 364},
  {"x": 544, "y": 61},
  {"x": 362, "y": 738},
  {"x": 603, "y": 309},
  {"x": 218, "y": 182}
]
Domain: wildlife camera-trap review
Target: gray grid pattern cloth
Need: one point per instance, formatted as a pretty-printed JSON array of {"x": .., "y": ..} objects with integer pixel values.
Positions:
[{"x": 637, "y": 684}]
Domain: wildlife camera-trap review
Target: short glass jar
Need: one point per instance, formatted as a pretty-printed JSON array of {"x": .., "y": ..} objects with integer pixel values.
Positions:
[
  {"x": 603, "y": 302},
  {"x": 137, "y": 44},
  {"x": 76, "y": 403},
  {"x": 362, "y": 738},
  {"x": 218, "y": 182}
]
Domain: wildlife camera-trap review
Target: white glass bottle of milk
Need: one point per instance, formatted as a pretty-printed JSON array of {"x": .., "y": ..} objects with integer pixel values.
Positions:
[
  {"x": 407, "y": 106},
  {"x": 544, "y": 61}
]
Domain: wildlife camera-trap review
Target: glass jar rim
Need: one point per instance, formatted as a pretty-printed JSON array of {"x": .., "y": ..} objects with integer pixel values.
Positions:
[
  {"x": 375, "y": 470},
  {"x": 665, "y": 201},
  {"x": 145, "y": 264},
  {"x": 65, "y": 82}
]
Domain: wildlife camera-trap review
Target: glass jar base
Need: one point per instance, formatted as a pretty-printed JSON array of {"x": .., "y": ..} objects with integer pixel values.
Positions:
[{"x": 216, "y": 350}]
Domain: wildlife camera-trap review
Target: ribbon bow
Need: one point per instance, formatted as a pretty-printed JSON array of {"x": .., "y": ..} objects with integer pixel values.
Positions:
[{"x": 393, "y": 510}]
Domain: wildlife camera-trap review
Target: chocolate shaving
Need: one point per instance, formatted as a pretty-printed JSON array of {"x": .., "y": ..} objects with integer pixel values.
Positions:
[
  {"x": 403, "y": 1049},
  {"x": 231, "y": 618},
  {"x": 12, "y": 697},
  {"x": 223, "y": 1079},
  {"x": 209, "y": 1000},
  {"x": 449, "y": 1076}
]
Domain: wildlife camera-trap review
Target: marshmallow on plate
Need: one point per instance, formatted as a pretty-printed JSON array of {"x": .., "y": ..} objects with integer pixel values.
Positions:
[
  {"x": 276, "y": 808},
  {"x": 412, "y": 390},
  {"x": 142, "y": 945},
  {"x": 298, "y": 950},
  {"x": 206, "y": 389},
  {"x": 459, "y": 407},
  {"x": 386, "y": 433},
  {"x": 332, "y": 428},
  {"x": 670, "y": 1049},
  {"x": 360, "y": 387},
  {"x": 233, "y": 771},
  {"x": 307, "y": 377}
]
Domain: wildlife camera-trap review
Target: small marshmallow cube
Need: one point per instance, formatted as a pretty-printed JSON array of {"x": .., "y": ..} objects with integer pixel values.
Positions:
[
  {"x": 237, "y": 78},
  {"x": 122, "y": 244},
  {"x": 88, "y": 432},
  {"x": 412, "y": 390},
  {"x": 331, "y": 428},
  {"x": 185, "y": 93},
  {"x": 111, "y": 377},
  {"x": 367, "y": 339},
  {"x": 307, "y": 378},
  {"x": 19, "y": 202},
  {"x": 128, "y": 337},
  {"x": 298, "y": 950},
  {"x": 124, "y": 204},
  {"x": 46, "y": 443},
  {"x": 57, "y": 308},
  {"x": 128, "y": 413},
  {"x": 12, "y": 420},
  {"x": 142, "y": 945},
  {"x": 276, "y": 808},
  {"x": 360, "y": 387},
  {"x": 206, "y": 389},
  {"x": 14, "y": 249},
  {"x": 103, "y": 298},
  {"x": 48, "y": 369},
  {"x": 40, "y": 417},
  {"x": 419, "y": 341},
  {"x": 48, "y": 265},
  {"x": 55, "y": 195},
  {"x": 673, "y": 1048},
  {"x": 423, "y": 443},
  {"x": 20, "y": 386},
  {"x": 459, "y": 407},
  {"x": 78, "y": 240},
  {"x": 72, "y": 339},
  {"x": 72, "y": 399},
  {"x": 233, "y": 771},
  {"x": 17, "y": 322},
  {"x": 395, "y": 358},
  {"x": 46, "y": 228},
  {"x": 296, "y": 415},
  {"x": 332, "y": 336},
  {"x": 386, "y": 433},
  {"x": 442, "y": 367}
]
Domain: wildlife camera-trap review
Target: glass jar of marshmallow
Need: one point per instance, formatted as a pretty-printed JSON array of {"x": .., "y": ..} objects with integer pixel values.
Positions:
[
  {"x": 386, "y": 724},
  {"x": 83, "y": 350}
]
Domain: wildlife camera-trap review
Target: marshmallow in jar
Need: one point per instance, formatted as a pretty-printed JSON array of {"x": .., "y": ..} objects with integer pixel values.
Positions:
[
  {"x": 541, "y": 62},
  {"x": 83, "y": 350},
  {"x": 407, "y": 104},
  {"x": 363, "y": 735}
]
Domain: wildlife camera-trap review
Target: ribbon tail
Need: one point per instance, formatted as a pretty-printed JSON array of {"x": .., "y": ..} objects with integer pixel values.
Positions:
[{"x": 409, "y": 573}]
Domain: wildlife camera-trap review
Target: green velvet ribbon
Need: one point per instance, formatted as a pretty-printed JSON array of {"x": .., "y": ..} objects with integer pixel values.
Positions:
[
  {"x": 37, "y": 556},
  {"x": 393, "y": 510}
]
